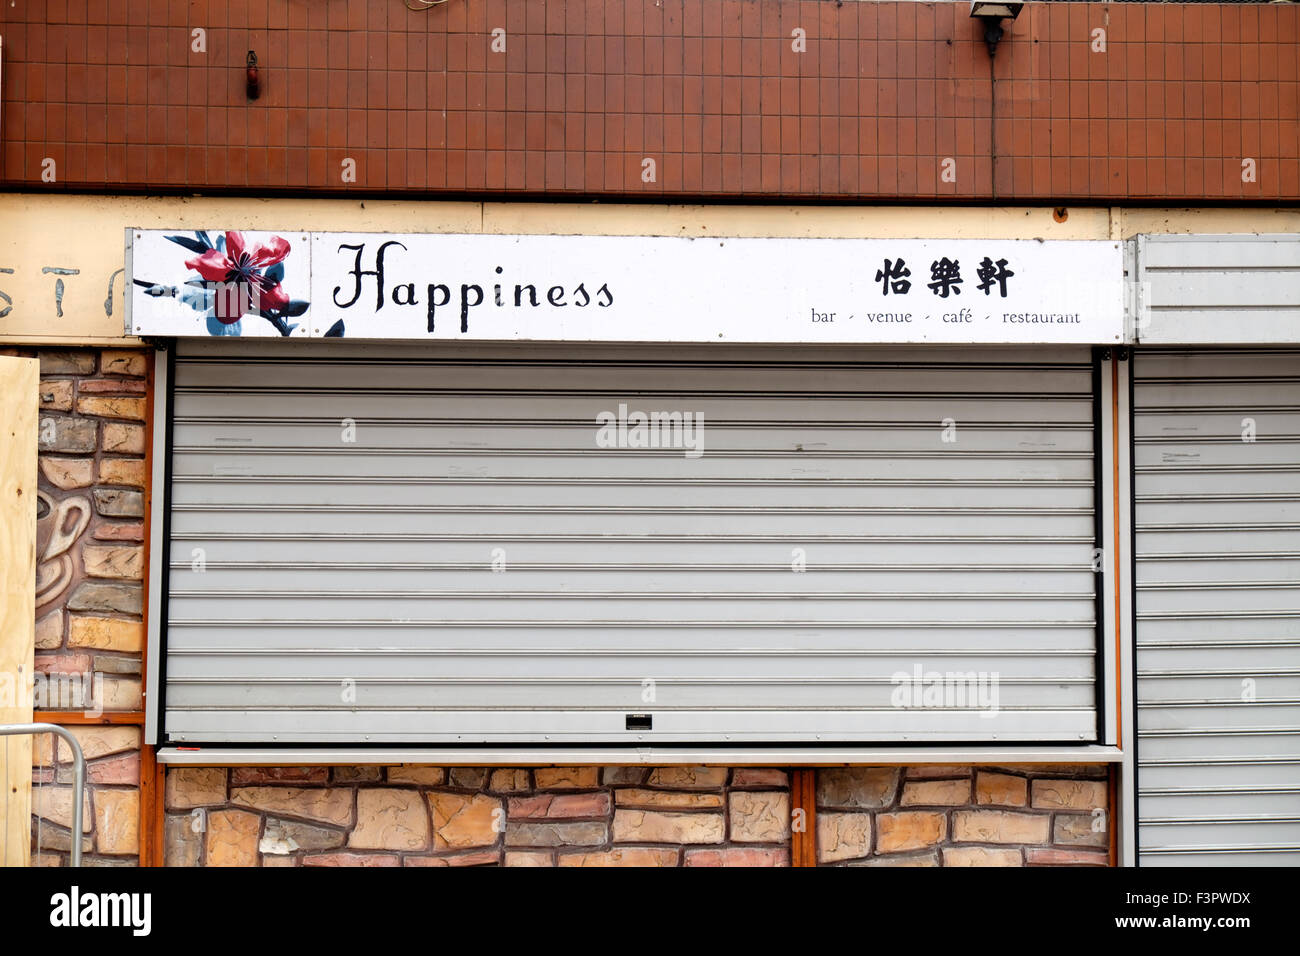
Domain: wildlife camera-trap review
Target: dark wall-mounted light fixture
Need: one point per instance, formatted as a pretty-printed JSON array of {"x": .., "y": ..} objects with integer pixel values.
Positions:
[
  {"x": 254, "y": 80},
  {"x": 992, "y": 15}
]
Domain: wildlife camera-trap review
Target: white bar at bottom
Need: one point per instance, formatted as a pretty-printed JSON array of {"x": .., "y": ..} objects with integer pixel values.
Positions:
[{"x": 602, "y": 756}]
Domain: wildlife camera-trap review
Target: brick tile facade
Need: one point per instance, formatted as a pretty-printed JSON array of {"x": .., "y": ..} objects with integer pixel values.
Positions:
[{"x": 793, "y": 98}]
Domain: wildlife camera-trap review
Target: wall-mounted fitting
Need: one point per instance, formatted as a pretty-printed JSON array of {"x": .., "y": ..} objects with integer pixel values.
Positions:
[
  {"x": 992, "y": 15},
  {"x": 254, "y": 79}
]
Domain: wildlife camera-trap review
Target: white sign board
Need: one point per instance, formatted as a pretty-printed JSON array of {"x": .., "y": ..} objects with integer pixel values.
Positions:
[{"x": 626, "y": 288}]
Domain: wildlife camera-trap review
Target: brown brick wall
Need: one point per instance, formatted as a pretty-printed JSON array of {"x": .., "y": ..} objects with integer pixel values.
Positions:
[{"x": 710, "y": 90}]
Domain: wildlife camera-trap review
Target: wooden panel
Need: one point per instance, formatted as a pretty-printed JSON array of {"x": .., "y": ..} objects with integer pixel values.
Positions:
[
  {"x": 151, "y": 807},
  {"x": 803, "y": 837},
  {"x": 18, "y": 384},
  {"x": 66, "y": 718}
]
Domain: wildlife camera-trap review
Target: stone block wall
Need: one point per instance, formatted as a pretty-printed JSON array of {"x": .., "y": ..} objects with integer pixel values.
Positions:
[
  {"x": 474, "y": 816},
  {"x": 935, "y": 815},
  {"x": 90, "y": 560},
  {"x": 110, "y": 809}
]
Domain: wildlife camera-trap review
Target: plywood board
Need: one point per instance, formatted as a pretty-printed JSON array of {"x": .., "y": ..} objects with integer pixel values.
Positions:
[{"x": 18, "y": 403}]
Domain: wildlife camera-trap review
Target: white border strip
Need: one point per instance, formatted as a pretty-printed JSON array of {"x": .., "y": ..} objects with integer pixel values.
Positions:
[{"x": 604, "y": 756}]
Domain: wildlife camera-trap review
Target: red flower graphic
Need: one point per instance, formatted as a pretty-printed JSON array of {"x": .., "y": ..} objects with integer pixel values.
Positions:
[{"x": 247, "y": 267}]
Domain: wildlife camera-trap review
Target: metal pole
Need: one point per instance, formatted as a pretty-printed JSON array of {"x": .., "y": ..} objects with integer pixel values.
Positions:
[{"x": 78, "y": 772}]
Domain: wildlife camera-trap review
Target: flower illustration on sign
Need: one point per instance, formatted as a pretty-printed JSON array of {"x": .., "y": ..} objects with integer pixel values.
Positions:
[{"x": 236, "y": 277}]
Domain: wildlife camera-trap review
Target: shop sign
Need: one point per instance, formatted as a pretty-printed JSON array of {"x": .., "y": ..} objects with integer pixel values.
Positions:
[{"x": 624, "y": 288}]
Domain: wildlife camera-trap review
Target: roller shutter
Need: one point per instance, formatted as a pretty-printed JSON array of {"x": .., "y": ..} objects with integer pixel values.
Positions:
[
  {"x": 1218, "y": 290},
  {"x": 468, "y": 564},
  {"x": 1217, "y": 488}
]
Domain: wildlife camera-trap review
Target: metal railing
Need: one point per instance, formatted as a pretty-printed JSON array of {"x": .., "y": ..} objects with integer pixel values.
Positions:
[{"x": 78, "y": 773}]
